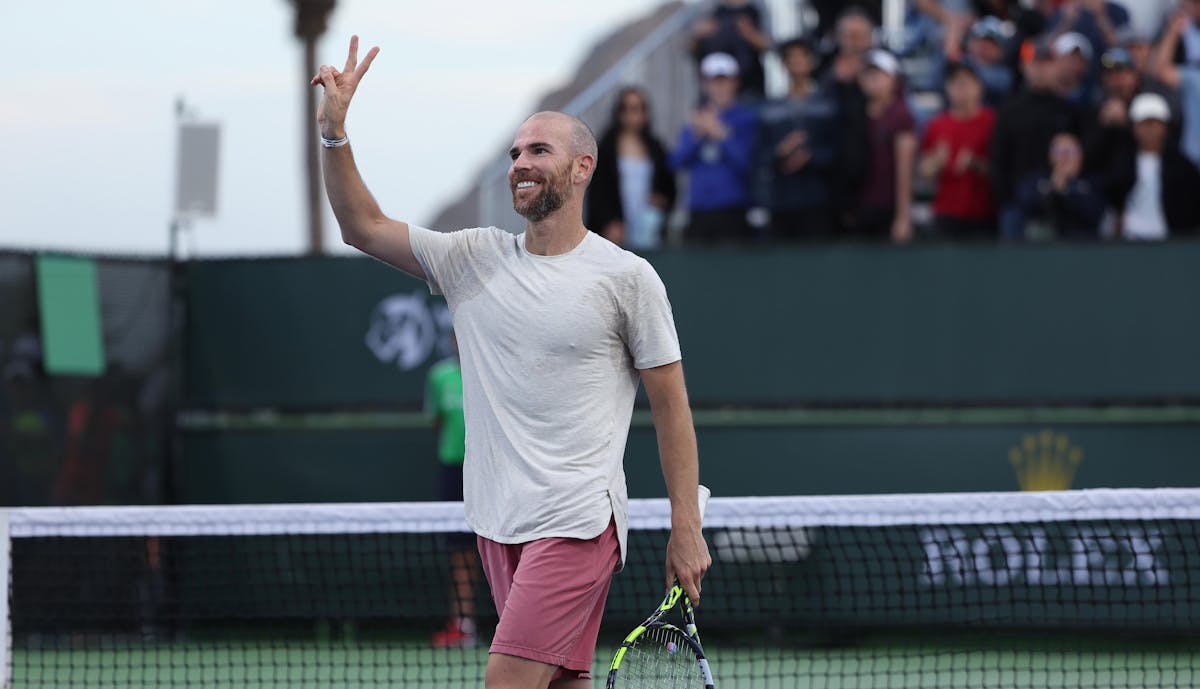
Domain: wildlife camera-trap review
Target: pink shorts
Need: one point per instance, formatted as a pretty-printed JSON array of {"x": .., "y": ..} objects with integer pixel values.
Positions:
[{"x": 550, "y": 594}]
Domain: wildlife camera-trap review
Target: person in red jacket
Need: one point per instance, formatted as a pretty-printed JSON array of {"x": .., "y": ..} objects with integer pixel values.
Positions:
[{"x": 954, "y": 152}]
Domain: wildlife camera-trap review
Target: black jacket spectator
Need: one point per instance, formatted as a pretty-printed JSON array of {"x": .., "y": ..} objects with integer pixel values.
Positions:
[
  {"x": 604, "y": 193},
  {"x": 1180, "y": 188},
  {"x": 1023, "y": 131}
]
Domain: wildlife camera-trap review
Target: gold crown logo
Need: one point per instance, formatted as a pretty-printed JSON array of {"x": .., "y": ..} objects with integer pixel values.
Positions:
[{"x": 1045, "y": 461}]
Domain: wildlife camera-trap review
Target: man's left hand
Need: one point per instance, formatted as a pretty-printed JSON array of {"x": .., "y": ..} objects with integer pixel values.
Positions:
[{"x": 687, "y": 560}]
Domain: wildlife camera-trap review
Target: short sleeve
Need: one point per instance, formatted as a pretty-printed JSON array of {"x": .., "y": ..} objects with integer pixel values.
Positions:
[
  {"x": 649, "y": 323},
  {"x": 433, "y": 251},
  {"x": 447, "y": 256}
]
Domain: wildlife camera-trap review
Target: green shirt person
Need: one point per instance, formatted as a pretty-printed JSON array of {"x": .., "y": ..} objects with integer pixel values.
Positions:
[{"x": 444, "y": 403}]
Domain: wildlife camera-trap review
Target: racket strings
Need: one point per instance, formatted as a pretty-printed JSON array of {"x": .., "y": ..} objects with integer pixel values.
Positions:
[{"x": 660, "y": 658}]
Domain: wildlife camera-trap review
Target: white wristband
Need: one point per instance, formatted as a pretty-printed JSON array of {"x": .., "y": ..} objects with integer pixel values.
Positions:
[{"x": 334, "y": 143}]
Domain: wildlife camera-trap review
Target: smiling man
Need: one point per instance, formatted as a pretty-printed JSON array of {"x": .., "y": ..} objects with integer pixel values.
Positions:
[{"x": 556, "y": 327}]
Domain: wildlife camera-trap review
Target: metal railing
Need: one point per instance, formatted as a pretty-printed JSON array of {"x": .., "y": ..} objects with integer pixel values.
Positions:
[{"x": 661, "y": 64}]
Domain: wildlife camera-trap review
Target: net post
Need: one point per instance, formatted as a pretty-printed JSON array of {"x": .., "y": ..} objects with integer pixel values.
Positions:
[{"x": 5, "y": 588}]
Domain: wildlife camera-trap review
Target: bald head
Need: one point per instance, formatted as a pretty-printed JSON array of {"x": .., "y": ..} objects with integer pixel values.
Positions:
[{"x": 578, "y": 135}]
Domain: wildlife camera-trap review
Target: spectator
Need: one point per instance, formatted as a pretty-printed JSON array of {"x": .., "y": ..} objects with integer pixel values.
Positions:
[
  {"x": 838, "y": 75},
  {"x": 1141, "y": 49},
  {"x": 1161, "y": 202},
  {"x": 800, "y": 146},
  {"x": 987, "y": 56},
  {"x": 1024, "y": 127},
  {"x": 1074, "y": 54},
  {"x": 1185, "y": 24},
  {"x": 633, "y": 188},
  {"x": 854, "y": 38},
  {"x": 884, "y": 207},
  {"x": 1099, "y": 21},
  {"x": 1176, "y": 64},
  {"x": 737, "y": 28},
  {"x": 955, "y": 152},
  {"x": 1146, "y": 17},
  {"x": 830, "y": 13},
  {"x": 717, "y": 150},
  {"x": 1017, "y": 21},
  {"x": 1059, "y": 202},
  {"x": 1108, "y": 133}
]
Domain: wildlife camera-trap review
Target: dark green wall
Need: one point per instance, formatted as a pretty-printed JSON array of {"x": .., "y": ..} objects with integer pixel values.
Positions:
[
  {"x": 831, "y": 326},
  {"x": 305, "y": 466},
  {"x": 839, "y": 324}
]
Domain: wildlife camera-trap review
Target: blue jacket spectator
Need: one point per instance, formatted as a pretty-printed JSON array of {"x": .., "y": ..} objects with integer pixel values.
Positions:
[{"x": 717, "y": 150}]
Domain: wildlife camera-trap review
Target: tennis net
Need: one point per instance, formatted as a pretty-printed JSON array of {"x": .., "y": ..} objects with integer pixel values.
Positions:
[{"x": 1010, "y": 590}]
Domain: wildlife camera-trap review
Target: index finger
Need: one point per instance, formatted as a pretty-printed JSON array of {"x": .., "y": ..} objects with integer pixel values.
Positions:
[
  {"x": 352, "y": 58},
  {"x": 366, "y": 63}
]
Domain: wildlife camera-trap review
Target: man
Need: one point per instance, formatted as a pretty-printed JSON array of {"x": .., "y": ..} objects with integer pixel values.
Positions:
[
  {"x": 554, "y": 327},
  {"x": 986, "y": 55},
  {"x": 1159, "y": 199},
  {"x": 854, "y": 36},
  {"x": 738, "y": 28},
  {"x": 1098, "y": 21},
  {"x": 1108, "y": 132},
  {"x": 1023, "y": 131},
  {"x": 717, "y": 150},
  {"x": 1175, "y": 64},
  {"x": 1074, "y": 54},
  {"x": 800, "y": 148}
]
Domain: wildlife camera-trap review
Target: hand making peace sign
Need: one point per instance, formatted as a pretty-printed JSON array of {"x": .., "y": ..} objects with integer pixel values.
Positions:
[{"x": 339, "y": 89}]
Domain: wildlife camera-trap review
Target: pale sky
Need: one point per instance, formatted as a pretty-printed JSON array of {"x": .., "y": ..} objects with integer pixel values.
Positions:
[{"x": 87, "y": 113}]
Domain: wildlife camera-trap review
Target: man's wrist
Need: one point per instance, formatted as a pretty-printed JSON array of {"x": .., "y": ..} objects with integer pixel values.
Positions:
[
  {"x": 334, "y": 143},
  {"x": 333, "y": 131}
]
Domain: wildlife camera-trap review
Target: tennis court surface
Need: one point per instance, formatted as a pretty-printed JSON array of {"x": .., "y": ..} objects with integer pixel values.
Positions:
[{"x": 1007, "y": 590}]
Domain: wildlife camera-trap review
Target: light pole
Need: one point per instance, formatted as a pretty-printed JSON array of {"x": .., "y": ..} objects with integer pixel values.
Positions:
[{"x": 311, "y": 21}]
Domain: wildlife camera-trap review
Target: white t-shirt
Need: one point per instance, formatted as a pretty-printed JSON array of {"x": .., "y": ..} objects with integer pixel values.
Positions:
[
  {"x": 550, "y": 348},
  {"x": 1144, "y": 218}
]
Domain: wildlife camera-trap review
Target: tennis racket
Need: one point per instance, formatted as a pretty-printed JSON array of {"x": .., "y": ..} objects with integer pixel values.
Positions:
[{"x": 659, "y": 654}]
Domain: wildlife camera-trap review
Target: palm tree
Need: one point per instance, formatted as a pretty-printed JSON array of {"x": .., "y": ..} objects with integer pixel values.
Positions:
[{"x": 311, "y": 19}]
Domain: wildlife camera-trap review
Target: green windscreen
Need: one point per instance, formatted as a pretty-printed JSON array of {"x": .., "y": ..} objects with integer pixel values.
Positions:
[{"x": 69, "y": 303}]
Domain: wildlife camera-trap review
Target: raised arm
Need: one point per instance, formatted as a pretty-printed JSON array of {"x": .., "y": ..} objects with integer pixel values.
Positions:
[
  {"x": 687, "y": 553},
  {"x": 363, "y": 224}
]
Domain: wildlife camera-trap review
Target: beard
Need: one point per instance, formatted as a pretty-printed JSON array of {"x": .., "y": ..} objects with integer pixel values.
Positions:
[{"x": 551, "y": 198}]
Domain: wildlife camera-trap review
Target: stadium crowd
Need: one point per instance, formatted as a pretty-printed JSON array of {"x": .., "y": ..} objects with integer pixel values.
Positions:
[{"x": 988, "y": 119}]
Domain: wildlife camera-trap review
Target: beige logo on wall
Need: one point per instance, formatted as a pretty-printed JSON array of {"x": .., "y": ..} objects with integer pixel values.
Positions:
[{"x": 1045, "y": 461}]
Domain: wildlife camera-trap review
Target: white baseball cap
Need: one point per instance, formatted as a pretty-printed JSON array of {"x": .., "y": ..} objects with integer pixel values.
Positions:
[
  {"x": 1149, "y": 106},
  {"x": 718, "y": 65},
  {"x": 1072, "y": 41},
  {"x": 885, "y": 61}
]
